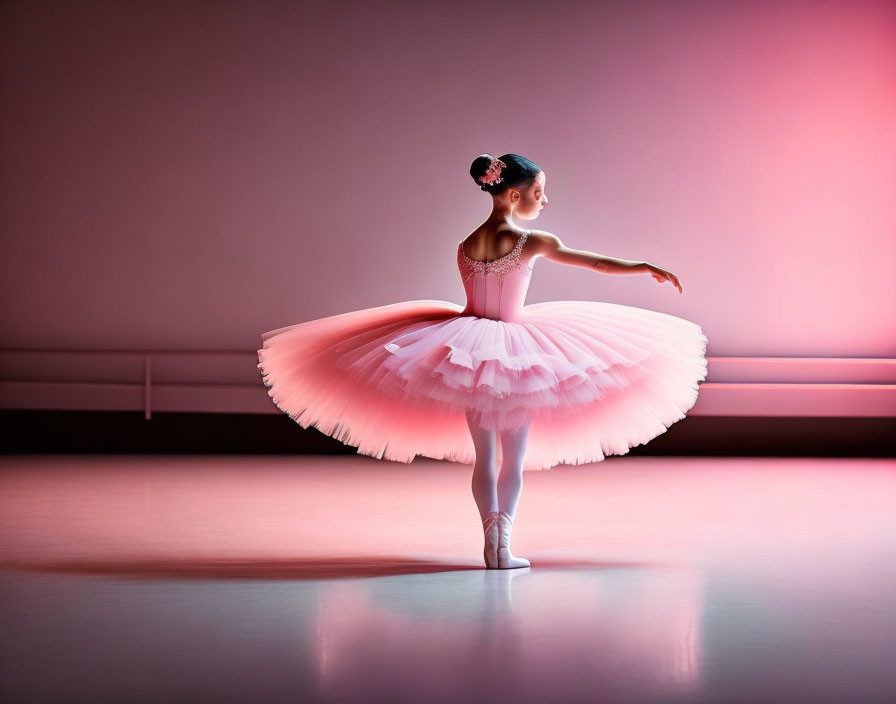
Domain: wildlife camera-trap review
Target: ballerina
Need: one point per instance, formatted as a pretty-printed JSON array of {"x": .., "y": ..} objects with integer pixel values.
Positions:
[{"x": 539, "y": 385}]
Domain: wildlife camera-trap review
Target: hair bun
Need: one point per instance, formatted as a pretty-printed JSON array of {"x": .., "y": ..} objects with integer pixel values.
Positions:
[
  {"x": 494, "y": 174},
  {"x": 486, "y": 171}
]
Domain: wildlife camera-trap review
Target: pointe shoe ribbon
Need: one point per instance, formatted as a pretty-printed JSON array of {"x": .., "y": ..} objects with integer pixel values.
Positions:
[
  {"x": 490, "y": 528},
  {"x": 506, "y": 559}
]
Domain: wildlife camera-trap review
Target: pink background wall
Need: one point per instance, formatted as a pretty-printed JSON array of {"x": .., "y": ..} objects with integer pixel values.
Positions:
[{"x": 189, "y": 175}]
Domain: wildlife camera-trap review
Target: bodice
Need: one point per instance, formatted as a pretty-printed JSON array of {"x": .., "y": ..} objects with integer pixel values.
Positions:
[{"x": 496, "y": 289}]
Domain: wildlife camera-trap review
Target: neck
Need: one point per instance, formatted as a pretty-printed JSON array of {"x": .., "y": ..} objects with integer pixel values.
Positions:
[{"x": 500, "y": 214}]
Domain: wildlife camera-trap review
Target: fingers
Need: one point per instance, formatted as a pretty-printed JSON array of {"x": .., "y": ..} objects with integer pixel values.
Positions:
[
  {"x": 668, "y": 276},
  {"x": 675, "y": 283}
]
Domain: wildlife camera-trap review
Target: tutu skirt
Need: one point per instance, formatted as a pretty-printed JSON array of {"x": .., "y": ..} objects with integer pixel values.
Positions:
[{"x": 590, "y": 378}]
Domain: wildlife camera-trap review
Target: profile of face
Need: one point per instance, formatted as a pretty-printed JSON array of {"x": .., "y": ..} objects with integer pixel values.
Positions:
[{"x": 528, "y": 202}]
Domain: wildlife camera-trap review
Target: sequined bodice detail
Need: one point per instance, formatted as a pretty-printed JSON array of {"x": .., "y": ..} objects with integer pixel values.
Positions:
[
  {"x": 498, "y": 267},
  {"x": 496, "y": 289}
]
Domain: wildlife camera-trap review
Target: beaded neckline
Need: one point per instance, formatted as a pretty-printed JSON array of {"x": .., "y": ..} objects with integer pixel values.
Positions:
[
  {"x": 500, "y": 267},
  {"x": 519, "y": 243}
]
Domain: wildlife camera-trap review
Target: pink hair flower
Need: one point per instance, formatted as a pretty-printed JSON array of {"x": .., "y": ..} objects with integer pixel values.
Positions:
[{"x": 493, "y": 173}]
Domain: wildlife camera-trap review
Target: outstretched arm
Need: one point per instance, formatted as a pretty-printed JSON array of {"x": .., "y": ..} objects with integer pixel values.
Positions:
[{"x": 550, "y": 247}]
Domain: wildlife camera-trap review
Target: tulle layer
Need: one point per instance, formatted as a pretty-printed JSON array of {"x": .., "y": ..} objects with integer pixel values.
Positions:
[{"x": 591, "y": 378}]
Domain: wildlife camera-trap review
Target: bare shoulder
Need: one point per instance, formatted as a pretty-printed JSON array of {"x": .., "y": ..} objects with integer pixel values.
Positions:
[
  {"x": 542, "y": 242},
  {"x": 548, "y": 245}
]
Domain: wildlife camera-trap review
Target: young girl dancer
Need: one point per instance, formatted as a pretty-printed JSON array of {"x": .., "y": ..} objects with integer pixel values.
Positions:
[{"x": 496, "y": 383}]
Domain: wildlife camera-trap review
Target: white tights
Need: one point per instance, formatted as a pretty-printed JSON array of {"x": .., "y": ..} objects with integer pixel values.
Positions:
[{"x": 491, "y": 491}]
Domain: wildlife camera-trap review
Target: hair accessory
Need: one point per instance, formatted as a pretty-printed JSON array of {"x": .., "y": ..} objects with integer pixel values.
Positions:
[{"x": 493, "y": 172}]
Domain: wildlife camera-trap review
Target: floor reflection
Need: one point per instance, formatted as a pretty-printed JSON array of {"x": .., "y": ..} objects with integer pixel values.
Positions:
[
  {"x": 198, "y": 579},
  {"x": 521, "y": 634}
]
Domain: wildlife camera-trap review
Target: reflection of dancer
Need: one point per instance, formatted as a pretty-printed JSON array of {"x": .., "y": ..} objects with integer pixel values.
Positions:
[
  {"x": 608, "y": 630},
  {"x": 541, "y": 384}
]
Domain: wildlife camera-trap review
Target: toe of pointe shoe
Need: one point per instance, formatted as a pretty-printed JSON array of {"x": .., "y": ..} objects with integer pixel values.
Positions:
[{"x": 509, "y": 562}]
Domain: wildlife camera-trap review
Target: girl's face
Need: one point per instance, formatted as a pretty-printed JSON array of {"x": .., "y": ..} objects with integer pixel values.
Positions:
[{"x": 532, "y": 199}]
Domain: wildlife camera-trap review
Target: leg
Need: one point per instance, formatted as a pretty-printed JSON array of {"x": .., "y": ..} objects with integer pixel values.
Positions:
[
  {"x": 510, "y": 483},
  {"x": 484, "y": 483}
]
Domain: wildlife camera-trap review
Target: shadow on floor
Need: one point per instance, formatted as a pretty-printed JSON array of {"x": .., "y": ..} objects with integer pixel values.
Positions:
[{"x": 295, "y": 568}]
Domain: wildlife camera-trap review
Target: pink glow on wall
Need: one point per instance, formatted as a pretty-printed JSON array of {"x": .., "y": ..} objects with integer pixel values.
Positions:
[{"x": 183, "y": 176}]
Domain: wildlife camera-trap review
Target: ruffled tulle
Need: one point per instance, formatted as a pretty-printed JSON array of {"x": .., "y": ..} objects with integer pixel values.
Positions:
[{"x": 591, "y": 378}]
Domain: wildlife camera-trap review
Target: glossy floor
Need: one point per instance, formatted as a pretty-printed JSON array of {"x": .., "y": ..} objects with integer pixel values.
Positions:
[{"x": 259, "y": 579}]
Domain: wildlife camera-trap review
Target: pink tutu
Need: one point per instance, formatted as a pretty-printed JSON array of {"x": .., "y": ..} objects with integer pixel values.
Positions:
[{"x": 591, "y": 378}]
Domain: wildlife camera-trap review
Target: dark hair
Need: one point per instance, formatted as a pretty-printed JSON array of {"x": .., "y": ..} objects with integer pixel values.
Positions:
[{"x": 519, "y": 171}]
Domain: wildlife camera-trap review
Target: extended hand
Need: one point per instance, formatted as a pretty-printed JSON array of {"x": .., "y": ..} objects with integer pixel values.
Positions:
[{"x": 662, "y": 275}]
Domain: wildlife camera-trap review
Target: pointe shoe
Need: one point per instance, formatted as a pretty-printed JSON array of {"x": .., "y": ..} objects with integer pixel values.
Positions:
[
  {"x": 506, "y": 559},
  {"x": 490, "y": 528}
]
